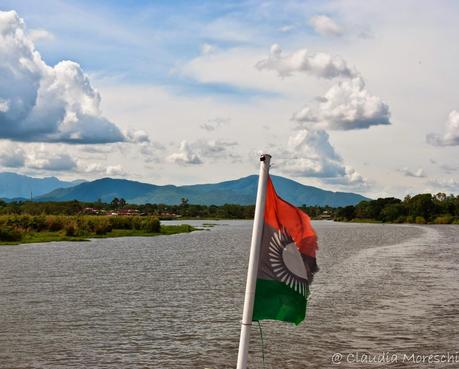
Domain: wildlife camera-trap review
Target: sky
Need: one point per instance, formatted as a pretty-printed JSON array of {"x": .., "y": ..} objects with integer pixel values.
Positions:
[{"x": 356, "y": 96}]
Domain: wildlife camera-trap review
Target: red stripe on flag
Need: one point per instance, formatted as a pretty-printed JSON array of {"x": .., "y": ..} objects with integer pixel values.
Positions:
[{"x": 281, "y": 214}]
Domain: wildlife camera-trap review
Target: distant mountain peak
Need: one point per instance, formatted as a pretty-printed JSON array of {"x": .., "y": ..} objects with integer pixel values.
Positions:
[{"x": 13, "y": 185}]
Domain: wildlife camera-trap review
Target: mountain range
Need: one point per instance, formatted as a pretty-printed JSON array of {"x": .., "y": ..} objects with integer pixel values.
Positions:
[
  {"x": 241, "y": 191},
  {"x": 14, "y": 185}
]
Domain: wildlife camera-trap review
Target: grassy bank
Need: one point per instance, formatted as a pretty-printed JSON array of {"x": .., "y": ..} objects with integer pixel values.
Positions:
[{"x": 17, "y": 229}]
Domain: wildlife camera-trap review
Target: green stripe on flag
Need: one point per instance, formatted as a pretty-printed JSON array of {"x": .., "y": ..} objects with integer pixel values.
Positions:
[{"x": 276, "y": 301}]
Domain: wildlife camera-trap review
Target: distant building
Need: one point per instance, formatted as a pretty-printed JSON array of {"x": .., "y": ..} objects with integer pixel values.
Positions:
[
  {"x": 168, "y": 216},
  {"x": 326, "y": 215},
  {"x": 129, "y": 212},
  {"x": 92, "y": 211},
  {"x": 122, "y": 212}
]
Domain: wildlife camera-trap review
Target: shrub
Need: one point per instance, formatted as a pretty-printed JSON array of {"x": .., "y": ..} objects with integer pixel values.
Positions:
[
  {"x": 89, "y": 224},
  {"x": 55, "y": 223},
  {"x": 137, "y": 223},
  {"x": 82, "y": 226},
  {"x": 443, "y": 219},
  {"x": 400, "y": 219},
  {"x": 10, "y": 234},
  {"x": 409, "y": 219},
  {"x": 71, "y": 229},
  {"x": 38, "y": 223},
  {"x": 420, "y": 220},
  {"x": 22, "y": 221},
  {"x": 120, "y": 222},
  {"x": 151, "y": 224},
  {"x": 103, "y": 226}
]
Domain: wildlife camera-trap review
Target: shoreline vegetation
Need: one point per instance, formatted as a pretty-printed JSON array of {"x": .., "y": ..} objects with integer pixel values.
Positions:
[
  {"x": 418, "y": 209},
  {"x": 21, "y": 229},
  {"x": 28, "y": 221}
]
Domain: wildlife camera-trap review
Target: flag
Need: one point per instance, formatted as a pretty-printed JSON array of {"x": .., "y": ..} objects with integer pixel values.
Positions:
[{"x": 287, "y": 261}]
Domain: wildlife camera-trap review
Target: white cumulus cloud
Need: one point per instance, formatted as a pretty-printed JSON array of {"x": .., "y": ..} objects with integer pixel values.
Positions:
[
  {"x": 346, "y": 105},
  {"x": 101, "y": 169},
  {"x": 137, "y": 136},
  {"x": 53, "y": 162},
  {"x": 310, "y": 154},
  {"x": 194, "y": 152},
  {"x": 207, "y": 49},
  {"x": 12, "y": 156},
  {"x": 4, "y": 106},
  {"x": 451, "y": 136},
  {"x": 115, "y": 170},
  {"x": 450, "y": 185},
  {"x": 42, "y": 103},
  {"x": 185, "y": 155},
  {"x": 325, "y": 26},
  {"x": 91, "y": 167},
  {"x": 287, "y": 28},
  {"x": 351, "y": 178},
  {"x": 321, "y": 65},
  {"x": 213, "y": 148},
  {"x": 419, "y": 173},
  {"x": 40, "y": 34},
  {"x": 213, "y": 124}
]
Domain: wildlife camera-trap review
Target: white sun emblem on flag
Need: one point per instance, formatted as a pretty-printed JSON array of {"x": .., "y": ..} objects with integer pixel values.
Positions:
[{"x": 287, "y": 263}]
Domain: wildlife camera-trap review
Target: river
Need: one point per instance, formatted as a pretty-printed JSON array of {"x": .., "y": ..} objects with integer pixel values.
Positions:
[{"x": 169, "y": 302}]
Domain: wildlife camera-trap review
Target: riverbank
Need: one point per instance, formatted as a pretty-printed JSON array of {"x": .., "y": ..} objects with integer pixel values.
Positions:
[
  {"x": 40, "y": 237},
  {"x": 19, "y": 229}
]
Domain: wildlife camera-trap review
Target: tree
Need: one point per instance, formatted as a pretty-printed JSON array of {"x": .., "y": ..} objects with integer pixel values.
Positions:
[
  {"x": 115, "y": 203},
  {"x": 392, "y": 212},
  {"x": 440, "y": 197},
  {"x": 422, "y": 205},
  {"x": 347, "y": 212}
]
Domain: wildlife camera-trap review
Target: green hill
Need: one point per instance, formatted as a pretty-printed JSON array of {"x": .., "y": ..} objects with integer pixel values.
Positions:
[{"x": 241, "y": 191}]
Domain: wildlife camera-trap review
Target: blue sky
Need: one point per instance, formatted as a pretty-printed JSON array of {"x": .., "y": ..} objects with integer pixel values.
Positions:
[
  {"x": 355, "y": 96},
  {"x": 141, "y": 41}
]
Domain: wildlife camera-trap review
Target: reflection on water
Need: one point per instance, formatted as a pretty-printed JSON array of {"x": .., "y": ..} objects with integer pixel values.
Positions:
[{"x": 176, "y": 301}]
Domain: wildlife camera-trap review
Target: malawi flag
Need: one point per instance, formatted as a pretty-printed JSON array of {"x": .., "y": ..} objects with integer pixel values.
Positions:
[{"x": 287, "y": 261}]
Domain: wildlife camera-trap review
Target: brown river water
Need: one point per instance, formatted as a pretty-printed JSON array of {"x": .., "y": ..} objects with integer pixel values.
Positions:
[{"x": 386, "y": 296}]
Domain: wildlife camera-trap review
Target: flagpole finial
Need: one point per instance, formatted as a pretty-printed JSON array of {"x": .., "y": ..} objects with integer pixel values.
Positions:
[{"x": 263, "y": 157}]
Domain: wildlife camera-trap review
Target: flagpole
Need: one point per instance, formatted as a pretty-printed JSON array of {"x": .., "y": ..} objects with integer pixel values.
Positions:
[{"x": 253, "y": 262}]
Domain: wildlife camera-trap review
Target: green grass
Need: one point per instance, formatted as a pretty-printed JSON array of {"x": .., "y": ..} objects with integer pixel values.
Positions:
[
  {"x": 38, "y": 237},
  {"x": 365, "y": 220},
  {"x": 174, "y": 229}
]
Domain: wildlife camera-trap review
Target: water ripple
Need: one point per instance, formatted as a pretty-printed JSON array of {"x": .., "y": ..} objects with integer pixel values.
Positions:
[{"x": 176, "y": 301}]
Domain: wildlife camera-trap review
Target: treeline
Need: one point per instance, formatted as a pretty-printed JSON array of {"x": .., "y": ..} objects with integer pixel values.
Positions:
[
  {"x": 317, "y": 212},
  {"x": 184, "y": 209},
  {"x": 163, "y": 211},
  {"x": 227, "y": 211},
  {"x": 13, "y": 227},
  {"x": 421, "y": 209}
]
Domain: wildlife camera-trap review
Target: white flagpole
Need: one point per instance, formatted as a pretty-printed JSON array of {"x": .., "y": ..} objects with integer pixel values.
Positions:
[{"x": 253, "y": 262}]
